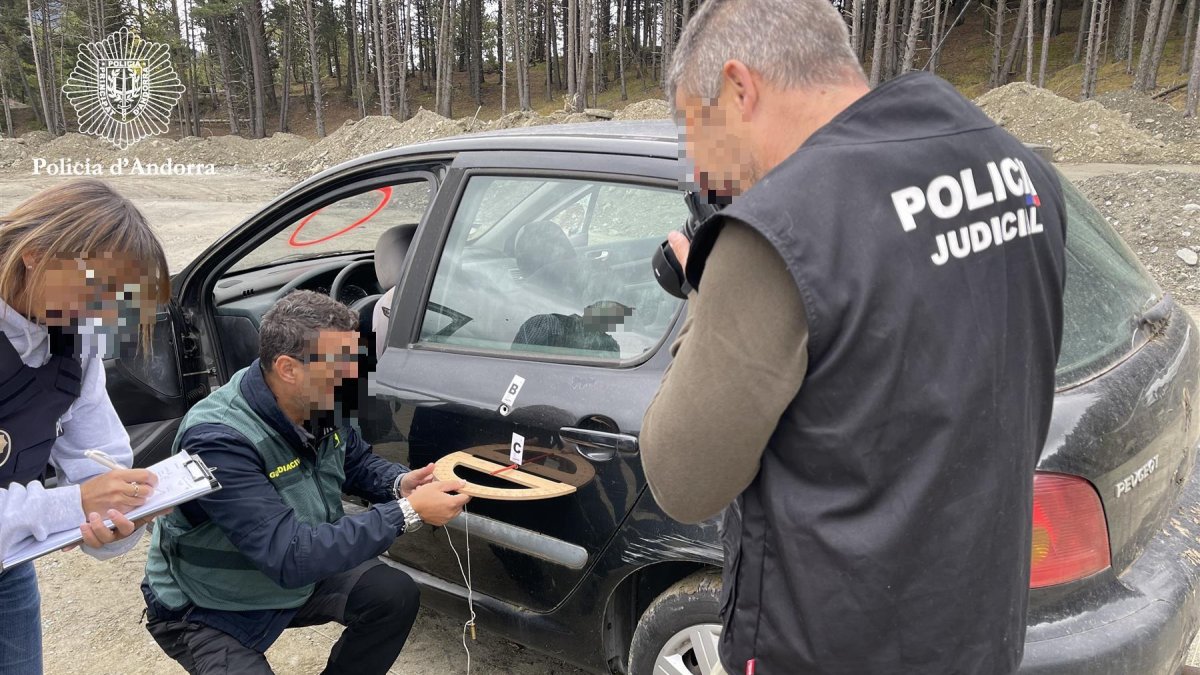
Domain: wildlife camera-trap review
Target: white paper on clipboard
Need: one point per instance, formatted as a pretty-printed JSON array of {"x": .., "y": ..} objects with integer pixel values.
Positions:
[{"x": 181, "y": 478}]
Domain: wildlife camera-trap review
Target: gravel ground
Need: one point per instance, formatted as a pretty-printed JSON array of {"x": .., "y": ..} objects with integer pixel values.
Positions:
[
  {"x": 1158, "y": 215},
  {"x": 92, "y": 622}
]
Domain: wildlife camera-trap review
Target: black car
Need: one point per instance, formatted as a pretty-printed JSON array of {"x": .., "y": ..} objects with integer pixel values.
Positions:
[{"x": 521, "y": 266}]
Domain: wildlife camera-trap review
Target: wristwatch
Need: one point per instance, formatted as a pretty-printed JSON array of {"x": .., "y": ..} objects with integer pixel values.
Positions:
[{"x": 412, "y": 521}]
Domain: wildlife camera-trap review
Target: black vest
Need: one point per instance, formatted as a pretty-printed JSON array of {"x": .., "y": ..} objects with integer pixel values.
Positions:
[
  {"x": 31, "y": 402},
  {"x": 888, "y": 529}
]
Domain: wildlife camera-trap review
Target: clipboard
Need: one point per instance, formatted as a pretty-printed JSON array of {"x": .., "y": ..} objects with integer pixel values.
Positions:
[{"x": 181, "y": 478}]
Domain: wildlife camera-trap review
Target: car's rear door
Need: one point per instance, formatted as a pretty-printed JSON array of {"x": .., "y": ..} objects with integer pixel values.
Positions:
[{"x": 533, "y": 269}]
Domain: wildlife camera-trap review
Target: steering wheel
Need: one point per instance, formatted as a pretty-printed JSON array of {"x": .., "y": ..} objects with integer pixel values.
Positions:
[{"x": 339, "y": 281}]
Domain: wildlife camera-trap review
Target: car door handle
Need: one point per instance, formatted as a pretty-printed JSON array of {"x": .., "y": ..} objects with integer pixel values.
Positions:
[{"x": 599, "y": 446}]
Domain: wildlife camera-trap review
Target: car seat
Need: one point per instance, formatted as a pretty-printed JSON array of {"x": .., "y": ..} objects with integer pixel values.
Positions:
[{"x": 390, "y": 253}]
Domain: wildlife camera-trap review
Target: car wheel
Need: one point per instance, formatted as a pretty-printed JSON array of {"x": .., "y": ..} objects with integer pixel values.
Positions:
[{"x": 679, "y": 632}]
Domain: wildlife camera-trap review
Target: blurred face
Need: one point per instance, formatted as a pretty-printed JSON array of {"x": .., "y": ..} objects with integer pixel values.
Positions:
[
  {"x": 312, "y": 384},
  {"x": 100, "y": 295},
  {"x": 715, "y": 138}
]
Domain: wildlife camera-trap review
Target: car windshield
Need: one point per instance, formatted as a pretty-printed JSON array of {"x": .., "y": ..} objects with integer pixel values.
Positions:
[{"x": 1107, "y": 291}]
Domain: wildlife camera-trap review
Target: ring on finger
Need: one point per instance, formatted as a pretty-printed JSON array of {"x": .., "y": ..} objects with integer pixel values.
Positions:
[{"x": 137, "y": 490}]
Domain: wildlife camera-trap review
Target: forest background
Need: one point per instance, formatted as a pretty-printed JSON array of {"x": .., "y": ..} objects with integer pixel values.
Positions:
[{"x": 255, "y": 67}]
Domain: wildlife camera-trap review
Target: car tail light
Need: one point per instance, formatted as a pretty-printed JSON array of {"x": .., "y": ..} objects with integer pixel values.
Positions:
[{"x": 1070, "y": 535}]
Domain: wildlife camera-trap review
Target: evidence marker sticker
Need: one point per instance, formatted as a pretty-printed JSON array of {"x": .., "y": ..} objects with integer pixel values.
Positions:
[
  {"x": 510, "y": 394},
  {"x": 516, "y": 451}
]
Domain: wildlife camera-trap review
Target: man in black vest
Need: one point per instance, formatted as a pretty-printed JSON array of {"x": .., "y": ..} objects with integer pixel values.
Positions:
[{"x": 867, "y": 369}]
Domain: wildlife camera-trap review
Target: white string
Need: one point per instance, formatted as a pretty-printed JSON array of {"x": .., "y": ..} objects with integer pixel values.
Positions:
[{"x": 470, "y": 624}]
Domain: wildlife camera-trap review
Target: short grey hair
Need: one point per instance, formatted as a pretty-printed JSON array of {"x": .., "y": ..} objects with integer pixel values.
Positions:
[
  {"x": 793, "y": 44},
  {"x": 289, "y": 328}
]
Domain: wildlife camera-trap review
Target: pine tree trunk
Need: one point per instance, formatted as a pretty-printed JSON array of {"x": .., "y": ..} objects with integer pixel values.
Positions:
[
  {"x": 505, "y": 28},
  {"x": 258, "y": 59},
  {"x": 877, "y": 51},
  {"x": 1122, "y": 45},
  {"x": 1187, "y": 36},
  {"x": 1029, "y": 43},
  {"x": 1095, "y": 38},
  {"x": 47, "y": 111},
  {"x": 360, "y": 58},
  {"x": 998, "y": 42},
  {"x": 1148, "y": 37},
  {"x": 445, "y": 66},
  {"x": 1085, "y": 20},
  {"x": 1193, "y": 88},
  {"x": 572, "y": 40},
  {"x": 287, "y": 72},
  {"x": 1023, "y": 15},
  {"x": 914, "y": 28},
  {"x": 585, "y": 51},
  {"x": 475, "y": 51},
  {"x": 621, "y": 48},
  {"x": 314, "y": 65},
  {"x": 935, "y": 41},
  {"x": 402, "y": 66},
  {"x": 1046, "y": 25},
  {"x": 892, "y": 26},
  {"x": 8, "y": 124},
  {"x": 549, "y": 55},
  {"x": 221, "y": 36},
  {"x": 523, "y": 15},
  {"x": 856, "y": 26},
  {"x": 1164, "y": 28},
  {"x": 668, "y": 24}
]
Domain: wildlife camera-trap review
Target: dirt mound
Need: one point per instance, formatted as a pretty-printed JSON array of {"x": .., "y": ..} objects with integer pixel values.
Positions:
[
  {"x": 1156, "y": 118},
  {"x": 157, "y": 150},
  {"x": 650, "y": 109},
  {"x": 13, "y": 152},
  {"x": 280, "y": 146},
  {"x": 77, "y": 147},
  {"x": 520, "y": 118},
  {"x": 19, "y": 152},
  {"x": 1078, "y": 132},
  {"x": 36, "y": 138},
  {"x": 371, "y": 134},
  {"x": 1157, "y": 214}
]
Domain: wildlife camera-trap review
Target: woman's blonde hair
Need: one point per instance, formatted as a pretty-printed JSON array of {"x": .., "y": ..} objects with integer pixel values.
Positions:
[{"x": 81, "y": 218}]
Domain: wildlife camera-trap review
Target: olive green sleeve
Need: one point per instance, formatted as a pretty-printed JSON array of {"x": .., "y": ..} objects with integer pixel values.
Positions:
[{"x": 739, "y": 360}]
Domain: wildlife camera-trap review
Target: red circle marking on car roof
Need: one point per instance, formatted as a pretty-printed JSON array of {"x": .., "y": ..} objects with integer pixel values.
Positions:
[{"x": 295, "y": 243}]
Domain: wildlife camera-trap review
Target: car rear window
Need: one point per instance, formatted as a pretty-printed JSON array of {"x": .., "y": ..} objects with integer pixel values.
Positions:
[{"x": 1106, "y": 293}]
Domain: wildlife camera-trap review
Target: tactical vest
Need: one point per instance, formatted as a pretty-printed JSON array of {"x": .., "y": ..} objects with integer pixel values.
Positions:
[
  {"x": 889, "y": 527},
  {"x": 31, "y": 402},
  {"x": 199, "y": 565}
]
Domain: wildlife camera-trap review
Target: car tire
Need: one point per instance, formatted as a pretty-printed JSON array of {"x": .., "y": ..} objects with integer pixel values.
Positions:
[{"x": 678, "y": 633}]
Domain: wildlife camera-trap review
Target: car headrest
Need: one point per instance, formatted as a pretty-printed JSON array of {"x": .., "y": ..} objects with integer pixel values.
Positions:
[
  {"x": 390, "y": 252},
  {"x": 540, "y": 243}
]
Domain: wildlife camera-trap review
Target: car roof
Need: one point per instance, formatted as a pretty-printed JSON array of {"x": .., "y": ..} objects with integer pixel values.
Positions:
[{"x": 647, "y": 138}]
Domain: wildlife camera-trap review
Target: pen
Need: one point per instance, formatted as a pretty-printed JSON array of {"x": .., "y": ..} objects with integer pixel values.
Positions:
[{"x": 102, "y": 459}]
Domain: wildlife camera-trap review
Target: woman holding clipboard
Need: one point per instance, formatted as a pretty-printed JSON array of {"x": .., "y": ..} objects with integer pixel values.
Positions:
[{"x": 79, "y": 268}]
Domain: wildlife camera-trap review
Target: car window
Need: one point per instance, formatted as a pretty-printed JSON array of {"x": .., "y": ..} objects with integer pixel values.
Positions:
[
  {"x": 559, "y": 267},
  {"x": 1107, "y": 290},
  {"x": 349, "y": 225}
]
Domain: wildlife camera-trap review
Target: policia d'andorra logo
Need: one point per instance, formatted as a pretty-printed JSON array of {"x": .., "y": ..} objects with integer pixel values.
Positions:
[
  {"x": 123, "y": 88},
  {"x": 5, "y": 447}
]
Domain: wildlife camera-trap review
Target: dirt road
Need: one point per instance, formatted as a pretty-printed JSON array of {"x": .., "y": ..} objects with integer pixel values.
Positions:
[{"x": 93, "y": 610}]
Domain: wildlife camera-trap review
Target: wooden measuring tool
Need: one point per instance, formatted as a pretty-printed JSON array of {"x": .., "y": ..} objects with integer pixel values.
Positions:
[{"x": 531, "y": 486}]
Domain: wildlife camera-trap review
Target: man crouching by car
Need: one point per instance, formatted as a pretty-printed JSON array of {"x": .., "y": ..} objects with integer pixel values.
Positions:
[{"x": 272, "y": 549}]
